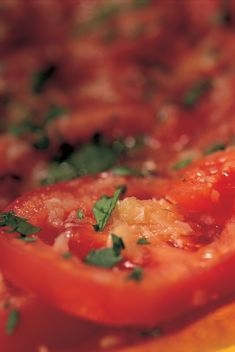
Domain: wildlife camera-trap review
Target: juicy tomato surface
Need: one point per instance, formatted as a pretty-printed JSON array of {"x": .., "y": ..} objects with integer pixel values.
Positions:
[
  {"x": 182, "y": 267},
  {"x": 101, "y": 94}
]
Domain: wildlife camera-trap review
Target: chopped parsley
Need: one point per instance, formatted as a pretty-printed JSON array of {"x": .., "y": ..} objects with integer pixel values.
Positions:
[
  {"x": 18, "y": 224},
  {"x": 93, "y": 158},
  {"x": 54, "y": 111},
  {"x": 59, "y": 172},
  {"x": 42, "y": 142},
  {"x": 143, "y": 240},
  {"x": 182, "y": 164},
  {"x": 194, "y": 94},
  {"x": 215, "y": 148},
  {"x": 118, "y": 244},
  {"x": 12, "y": 321},
  {"x": 66, "y": 255},
  {"x": 136, "y": 274},
  {"x": 106, "y": 257},
  {"x": 103, "y": 208},
  {"x": 90, "y": 159},
  {"x": 41, "y": 78},
  {"x": 80, "y": 214},
  {"x": 125, "y": 171}
]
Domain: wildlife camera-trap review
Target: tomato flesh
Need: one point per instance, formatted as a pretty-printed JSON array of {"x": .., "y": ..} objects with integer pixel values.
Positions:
[{"x": 182, "y": 268}]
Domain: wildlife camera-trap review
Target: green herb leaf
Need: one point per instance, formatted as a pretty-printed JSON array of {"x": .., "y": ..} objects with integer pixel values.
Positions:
[
  {"x": 107, "y": 257},
  {"x": 136, "y": 274},
  {"x": 42, "y": 77},
  {"x": 80, "y": 214},
  {"x": 27, "y": 239},
  {"x": 92, "y": 159},
  {"x": 191, "y": 97},
  {"x": 66, "y": 255},
  {"x": 42, "y": 142},
  {"x": 103, "y": 208},
  {"x": 215, "y": 148},
  {"x": 125, "y": 171},
  {"x": 12, "y": 321},
  {"x": 118, "y": 244},
  {"x": 59, "y": 172},
  {"x": 26, "y": 126},
  {"x": 17, "y": 224},
  {"x": 53, "y": 113},
  {"x": 182, "y": 164},
  {"x": 143, "y": 240}
]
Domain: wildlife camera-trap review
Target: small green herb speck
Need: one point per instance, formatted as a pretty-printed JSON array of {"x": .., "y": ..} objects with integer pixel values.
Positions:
[
  {"x": 107, "y": 257},
  {"x": 12, "y": 321},
  {"x": 215, "y": 148},
  {"x": 136, "y": 274},
  {"x": 143, "y": 240},
  {"x": 17, "y": 224},
  {"x": 182, "y": 164},
  {"x": 193, "y": 95},
  {"x": 125, "y": 171},
  {"x": 80, "y": 214},
  {"x": 104, "y": 207},
  {"x": 66, "y": 255},
  {"x": 27, "y": 239},
  {"x": 41, "y": 78}
]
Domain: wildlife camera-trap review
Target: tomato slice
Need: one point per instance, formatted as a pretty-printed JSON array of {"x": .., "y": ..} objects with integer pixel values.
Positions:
[{"x": 180, "y": 271}]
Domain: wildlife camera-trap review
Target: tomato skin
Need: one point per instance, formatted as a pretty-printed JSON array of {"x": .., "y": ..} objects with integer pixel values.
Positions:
[{"x": 174, "y": 283}]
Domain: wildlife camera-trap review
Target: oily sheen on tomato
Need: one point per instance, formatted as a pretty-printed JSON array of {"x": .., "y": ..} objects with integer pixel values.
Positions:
[{"x": 143, "y": 257}]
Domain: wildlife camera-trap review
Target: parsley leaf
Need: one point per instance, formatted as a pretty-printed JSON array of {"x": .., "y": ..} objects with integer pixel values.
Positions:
[
  {"x": 80, "y": 214},
  {"x": 12, "y": 321},
  {"x": 215, "y": 148},
  {"x": 67, "y": 255},
  {"x": 42, "y": 142},
  {"x": 17, "y": 224},
  {"x": 136, "y": 274},
  {"x": 106, "y": 257},
  {"x": 191, "y": 97},
  {"x": 143, "y": 240},
  {"x": 103, "y": 208},
  {"x": 54, "y": 111},
  {"x": 41, "y": 78},
  {"x": 59, "y": 172},
  {"x": 118, "y": 244},
  {"x": 92, "y": 159},
  {"x": 182, "y": 164},
  {"x": 125, "y": 171}
]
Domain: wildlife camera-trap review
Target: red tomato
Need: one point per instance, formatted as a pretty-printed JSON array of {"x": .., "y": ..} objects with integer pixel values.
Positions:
[{"x": 175, "y": 280}]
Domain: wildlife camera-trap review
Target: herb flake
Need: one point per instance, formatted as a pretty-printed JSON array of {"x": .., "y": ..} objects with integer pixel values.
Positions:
[
  {"x": 17, "y": 224},
  {"x": 104, "y": 207},
  {"x": 80, "y": 214},
  {"x": 106, "y": 257},
  {"x": 143, "y": 240},
  {"x": 215, "y": 148},
  {"x": 182, "y": 164},
  {"x": 194, "y": 94},
  {"x": 136, "y": 274},
  {"x": 12, "y": 321}
]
